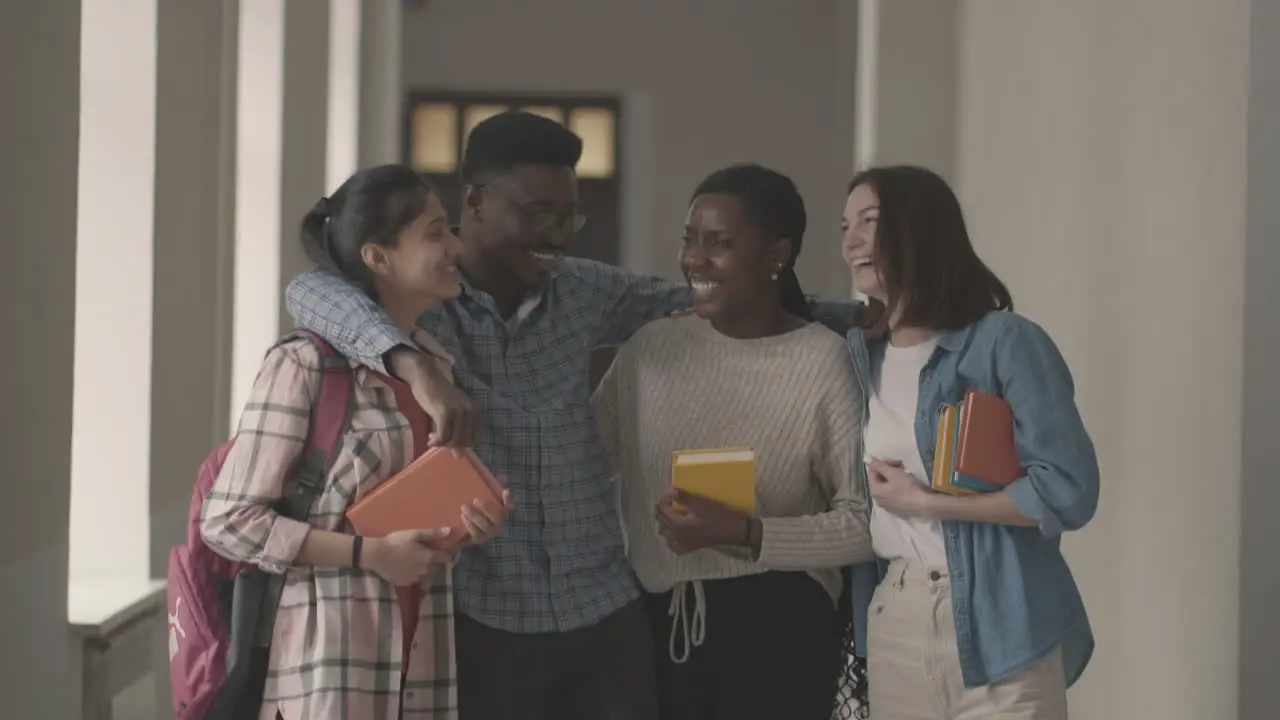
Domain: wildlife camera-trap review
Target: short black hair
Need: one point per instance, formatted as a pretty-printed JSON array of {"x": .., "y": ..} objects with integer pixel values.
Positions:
[
  {"x": 513, "y": 138},
  {"x": 773, "y": 204}
]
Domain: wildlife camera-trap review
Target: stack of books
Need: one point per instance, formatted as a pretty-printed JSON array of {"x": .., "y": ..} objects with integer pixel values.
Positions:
[{"x": 975, "y": 451}]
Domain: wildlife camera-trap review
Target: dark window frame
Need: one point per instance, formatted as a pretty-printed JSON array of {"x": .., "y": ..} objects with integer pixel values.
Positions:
[{"x": 461, "y": 100}]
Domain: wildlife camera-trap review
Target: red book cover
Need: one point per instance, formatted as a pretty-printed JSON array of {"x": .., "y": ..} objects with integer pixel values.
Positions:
[
  {"x": 426, "y": 495},
  {"x": 985, "y": 449}
]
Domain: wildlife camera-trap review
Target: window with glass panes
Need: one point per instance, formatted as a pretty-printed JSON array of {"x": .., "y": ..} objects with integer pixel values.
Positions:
[{"x": 436, "y": 125}]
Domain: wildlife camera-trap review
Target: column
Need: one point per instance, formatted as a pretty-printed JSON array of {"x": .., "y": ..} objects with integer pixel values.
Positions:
[
  {"x": 258, "y": 216},
  {"x": 1260, "y": 495},
  {"x": 343, "y": 118},
  {"x": 906, "y": 84},
  {"x": 109, "y": 559},
  {"x": 305, "y": 142},
  {"x": 381, "y": 89},
  {"x": 282, "y": 140},
  {"x": 192, "y": 287},
  {"x": 38, "y": 188}
]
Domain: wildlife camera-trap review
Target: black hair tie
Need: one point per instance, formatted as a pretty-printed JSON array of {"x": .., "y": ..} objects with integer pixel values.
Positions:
[{"x": 326, "y": 238}]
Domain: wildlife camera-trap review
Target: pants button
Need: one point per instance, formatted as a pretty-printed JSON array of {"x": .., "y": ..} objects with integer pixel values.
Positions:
[{"x": 934, "y": 575}]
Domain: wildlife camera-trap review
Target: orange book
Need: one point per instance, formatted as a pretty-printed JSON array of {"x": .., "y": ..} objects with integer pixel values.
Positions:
[
  {"x": 985, "y": 452},
  {"x": 427, "y": 495}
]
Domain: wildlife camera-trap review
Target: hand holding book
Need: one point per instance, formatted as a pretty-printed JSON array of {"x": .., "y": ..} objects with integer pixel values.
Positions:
[
  {"x": 975, "y": 450},
  {"x": 483, "y": 519},
  {"x": 689, "y": 522}
]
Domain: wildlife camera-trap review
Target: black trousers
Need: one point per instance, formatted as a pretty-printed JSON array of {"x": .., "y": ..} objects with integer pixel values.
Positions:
[
  {"x": 601, "y": 672},
  {"x": 772, "y": 651}
]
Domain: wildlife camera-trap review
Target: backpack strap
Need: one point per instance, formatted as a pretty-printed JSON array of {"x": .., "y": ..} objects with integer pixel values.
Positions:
[{"x": 330, "y": 416}]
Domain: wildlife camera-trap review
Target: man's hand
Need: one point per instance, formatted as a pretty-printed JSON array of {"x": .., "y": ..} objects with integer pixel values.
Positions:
[
  {"x": 455, "y": 419},
  {"x": 484, "y": 520}
]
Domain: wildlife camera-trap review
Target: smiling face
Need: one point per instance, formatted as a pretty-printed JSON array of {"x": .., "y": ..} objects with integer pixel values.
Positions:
[
  {"x": 528, "y": 216},
  {"x": 422, "y": 261},
  {"x": 728, "y": 262},
  {"x": 858, "y": 244}
]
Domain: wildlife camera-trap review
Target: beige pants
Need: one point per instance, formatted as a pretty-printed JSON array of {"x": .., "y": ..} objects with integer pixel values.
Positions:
[{"x": 913, "y": 664}]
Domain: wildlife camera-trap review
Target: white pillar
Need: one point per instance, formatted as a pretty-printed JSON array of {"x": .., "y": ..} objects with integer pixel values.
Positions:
[
  {"x": 381, "y": 87},
  {"x": 906, "y": 84},
  {"x": 343, "y": 140},
  {"x": 867, "y": 84},
  {"x": 111, "y": 426},
  {"x": 259, "y": 149}
]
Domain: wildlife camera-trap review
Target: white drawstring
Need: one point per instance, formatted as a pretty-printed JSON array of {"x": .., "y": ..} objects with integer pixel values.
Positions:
[{"x": 693, "y": 632}]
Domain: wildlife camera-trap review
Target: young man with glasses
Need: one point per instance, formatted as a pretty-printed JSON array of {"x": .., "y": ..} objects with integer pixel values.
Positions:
[{"x": 550, "y": 625}]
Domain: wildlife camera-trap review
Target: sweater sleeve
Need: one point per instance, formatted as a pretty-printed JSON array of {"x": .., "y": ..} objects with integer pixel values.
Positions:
[
  {"x": 604, "y": 405},
  {"x": 841, "y": 536}
]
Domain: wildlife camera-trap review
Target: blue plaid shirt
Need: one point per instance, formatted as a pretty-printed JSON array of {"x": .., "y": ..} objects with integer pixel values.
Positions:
[{"x": 559, "y": 564}]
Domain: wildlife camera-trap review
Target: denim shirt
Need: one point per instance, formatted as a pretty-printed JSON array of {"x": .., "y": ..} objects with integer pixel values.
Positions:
[{"x": 1013, "y": 596}]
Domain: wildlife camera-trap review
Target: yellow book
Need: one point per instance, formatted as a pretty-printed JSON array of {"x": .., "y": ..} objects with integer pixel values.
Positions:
[
  {"x": 944, "y": 453},
  {"x": 726, "y": 475}
]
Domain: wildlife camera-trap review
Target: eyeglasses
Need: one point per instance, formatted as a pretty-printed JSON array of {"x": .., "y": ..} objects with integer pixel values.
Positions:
[{"x": 543, "y": 222}]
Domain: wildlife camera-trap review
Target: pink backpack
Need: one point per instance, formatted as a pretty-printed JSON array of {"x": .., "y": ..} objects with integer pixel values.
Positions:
[{"x": 221, "y": 613}]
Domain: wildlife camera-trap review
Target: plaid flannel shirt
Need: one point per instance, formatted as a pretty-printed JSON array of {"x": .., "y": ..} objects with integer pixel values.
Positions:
[
  {"x": 559, "y": 564},
  {"x": 337, "y": 646}
]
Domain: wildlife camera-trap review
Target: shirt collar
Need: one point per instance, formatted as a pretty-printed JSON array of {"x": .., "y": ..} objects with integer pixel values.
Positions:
[
  {"x": 952, "y": 340},
  {"x": 474, "y": 293}
]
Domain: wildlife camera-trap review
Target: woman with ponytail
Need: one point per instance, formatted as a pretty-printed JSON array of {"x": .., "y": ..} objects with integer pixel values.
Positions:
[
  {"x": 364, "y": 627},
  {"x": 746, "y": 607}
]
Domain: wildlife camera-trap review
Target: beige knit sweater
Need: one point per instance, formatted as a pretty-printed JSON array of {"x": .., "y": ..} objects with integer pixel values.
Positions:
[{"x": 793, "y": 398}]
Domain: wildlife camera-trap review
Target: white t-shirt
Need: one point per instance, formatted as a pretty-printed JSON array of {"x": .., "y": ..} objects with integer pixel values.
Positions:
[{"x": 891, "y": 435}]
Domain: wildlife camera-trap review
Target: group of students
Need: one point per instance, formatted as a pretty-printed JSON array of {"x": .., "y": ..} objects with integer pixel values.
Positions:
[{"x": 588, "y": 595}]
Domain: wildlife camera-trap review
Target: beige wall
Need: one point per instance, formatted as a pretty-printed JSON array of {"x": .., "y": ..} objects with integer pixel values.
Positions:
[
  {"x": 1100, "y": 153},
  {"x": 915, "y": 112},
  {"x": 707, "y": 85},
  {"x": 38, "y": 204},
  {"x": 1102, "y": 165}
]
